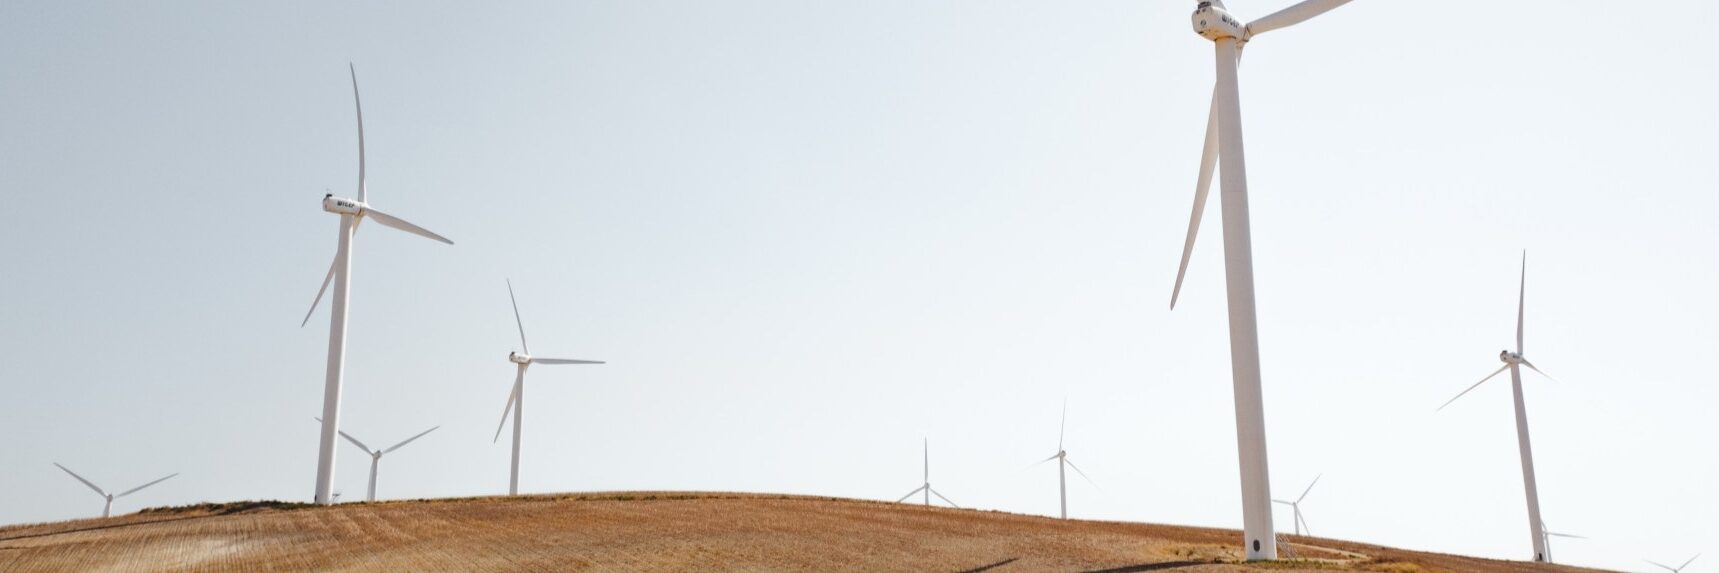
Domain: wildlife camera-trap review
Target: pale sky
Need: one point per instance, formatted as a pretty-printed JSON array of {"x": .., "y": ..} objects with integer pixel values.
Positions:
[{"x": 807, "y": 234}]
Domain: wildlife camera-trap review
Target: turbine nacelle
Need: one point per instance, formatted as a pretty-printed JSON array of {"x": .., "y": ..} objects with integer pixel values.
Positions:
[
  {"x": 1509, "y": 357},
  {"x": 518, "y": 358},
  {"x": 1214, "y": 23},
  {"x": 342, "y": 205}
]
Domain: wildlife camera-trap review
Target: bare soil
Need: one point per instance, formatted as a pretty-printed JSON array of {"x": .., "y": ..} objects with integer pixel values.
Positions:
[{"x": 648, "y": 531}]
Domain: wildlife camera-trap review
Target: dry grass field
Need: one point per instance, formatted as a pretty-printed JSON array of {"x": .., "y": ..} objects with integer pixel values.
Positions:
[{"x": 660, "y": 532}]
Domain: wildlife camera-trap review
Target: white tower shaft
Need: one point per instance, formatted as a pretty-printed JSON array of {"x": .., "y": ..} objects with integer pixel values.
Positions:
[
  {"x": 518, "y": 426},
  {"x": 1258, "y": 537},
  {"x": 336, "y": 364},
  {"x": 1531, "y": 488},
  {"x": 375, "y": 462},
  {"x": 107, "y": 510},
  {"x": 1062, "y": 482}
]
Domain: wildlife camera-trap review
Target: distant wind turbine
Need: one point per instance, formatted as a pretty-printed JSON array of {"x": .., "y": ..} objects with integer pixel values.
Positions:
[
  {"x": 1548, "y": 534},
  {"x": 1062, "y": 460},
  {"x": 1513, "y": 361},
  {"x": 516, "y": 400},
  {"x": 352, "y": 212},
  {"x": 1676, "y": 569},
  {"x": 1295, "y": 506},
  {"x": 376, "y": 455},
  {"x": 107, "y": 510},
  {"x": 926, "y": 488}
]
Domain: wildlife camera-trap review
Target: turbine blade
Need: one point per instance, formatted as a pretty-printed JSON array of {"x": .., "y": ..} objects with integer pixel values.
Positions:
[
  {"x": 409, "y": 440},
  {"x": 1063, "y": 430},
  {"x": 1662, "y": 566},
  {"x": 536, "y": 360},
  {"x": 910, "y": 494},
  {"x": 1571, "y": 536},
  {"x": 1290, "y": 16},
  {"x": 354, "y": 441},
  {"x": 523, "y": 347},
  {"x": 319, "y": 292},
  {"x": 1531, "y": 366},
  {"x": 1521, "y": 302},
  {"x": 360, "y": 107},
  {"x": 1309, "y": 488},
  {"x": 1305, "y": 528},
  {"x": 1476, "y": 385},
  {"x": 507, "y": 410},
  {"x": 1037, "y": 463},
  {"x": 396, "y": 222},
  {"x": 1686, "y": 563},
  {"x": 1282, "y": 502},
  {"x": 1202, "y": 186},
  {"x": 945, "y": 499},
  {"x": 80, "y": 478},
  {"x": 135, "y": 489},
  {"x": 1082, "y": 474}
]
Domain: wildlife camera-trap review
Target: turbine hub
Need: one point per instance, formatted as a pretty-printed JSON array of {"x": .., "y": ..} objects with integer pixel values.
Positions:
[
  {"x": 341, "y": 205},
  {"x": 518, "y": 358},
  {"x": 1213, "y": 22}
]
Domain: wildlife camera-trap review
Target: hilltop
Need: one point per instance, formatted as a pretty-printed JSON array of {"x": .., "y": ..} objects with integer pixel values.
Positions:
[{"x": 656, "y": 531}]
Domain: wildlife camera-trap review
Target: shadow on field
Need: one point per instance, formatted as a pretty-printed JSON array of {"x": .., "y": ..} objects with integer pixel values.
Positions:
[
  {"x": 991, "y": 566},
  {"x": 101, "y": 527},
  {"x": 1151, "y": 567}
]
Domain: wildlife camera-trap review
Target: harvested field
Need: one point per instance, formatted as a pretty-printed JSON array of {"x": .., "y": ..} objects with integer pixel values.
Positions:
[{"x": 661, "y": 532}]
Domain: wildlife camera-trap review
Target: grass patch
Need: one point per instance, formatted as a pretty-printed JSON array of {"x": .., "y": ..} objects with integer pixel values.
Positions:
[{"x": 227, "y": 508}]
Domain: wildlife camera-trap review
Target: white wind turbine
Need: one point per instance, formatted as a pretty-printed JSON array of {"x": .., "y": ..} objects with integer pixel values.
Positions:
[
  {"x": 352, "y": 212},
  {"x": 107, "y": 510},
  {"x": 1224, "y": 139},
  {"x": 376, "y": 455},
  {"x": 1295, "y": 506},
  {"x": 926, "y": 488},
  {"x": 516, "y": 400},
  {"x": 1546, "y": 537},
  {"x": 1062, "y": 460},
  {"x": 1513, "y": 361},
  {"x": 1676, "y": 569}
]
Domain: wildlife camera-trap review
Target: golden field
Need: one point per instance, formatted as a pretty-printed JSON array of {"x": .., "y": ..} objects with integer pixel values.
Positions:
[{"x": 649, "y": 531}]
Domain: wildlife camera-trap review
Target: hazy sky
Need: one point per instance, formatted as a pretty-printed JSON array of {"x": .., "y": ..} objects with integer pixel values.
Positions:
[{"x": 807, "y": 234}]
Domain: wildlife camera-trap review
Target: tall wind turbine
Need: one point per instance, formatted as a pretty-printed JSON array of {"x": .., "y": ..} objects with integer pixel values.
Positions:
[
  {"x": 926, "y": 488},
  {"x": 107, "y": 510},
  {"x": 1547, "y": 535},
  {"x": 352, "y": 212},
  {"x": 1062, "y": 460},
  {"x": 1224, "y": 139},
  {"x": 1676, "y": 569},
  {"x": 516, "y": 400},
  {"x": 376, "y": 455},
  {"x": 1296, "y": 507},
  {"x": 1513, "y": 361}
]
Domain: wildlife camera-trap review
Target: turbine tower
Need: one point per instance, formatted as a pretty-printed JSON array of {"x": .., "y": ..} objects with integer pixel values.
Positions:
[
  {"x": 1513, "y": 361},
  {"x": 107, "y": 510},
  {"x": 1062, "y": 460},
  {"x": 376, "y": 455},
  {"x": 1224, "y": 139},
  {"x": 352, "y": 212},
  {"x": 1677, "y": 569},
  {"x": 926, "y": 487},
  {"x": 516, "y": 400},
  {"x": 1295, "y": 506}
]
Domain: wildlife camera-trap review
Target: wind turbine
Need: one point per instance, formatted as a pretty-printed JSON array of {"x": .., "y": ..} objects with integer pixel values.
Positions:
[
  {"x": 1547, "y": 535},
  {"x": 107, "y": 510},
  {"x": 352, "y": 212},
  {"x": 1513, "y": 361},
  {"x": 1062, "y": 460},
  {"x": 376, "y": 455},
  {"x": 926, "y": 489},
  {"x": 1296, "y": 507},
  {"x": 1224, "y": 138},
  {"x": 1676, "y": 569},
  {"x": 516, "y": 400}
]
